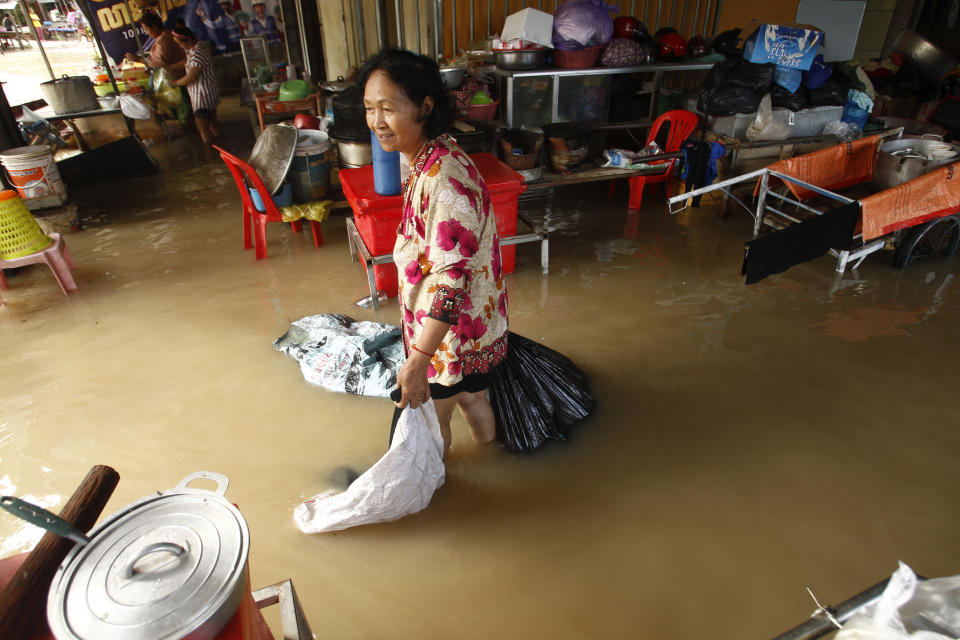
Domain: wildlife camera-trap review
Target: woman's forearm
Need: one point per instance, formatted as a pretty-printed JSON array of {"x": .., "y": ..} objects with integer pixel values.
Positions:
[{"x": 432, "y": 335}]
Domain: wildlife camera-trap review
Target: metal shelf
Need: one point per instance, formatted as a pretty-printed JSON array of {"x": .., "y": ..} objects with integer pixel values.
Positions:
[{"x": 657, "y": 69}]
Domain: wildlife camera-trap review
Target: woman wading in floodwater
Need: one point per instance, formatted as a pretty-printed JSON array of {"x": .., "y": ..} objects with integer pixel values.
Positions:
[{"x": 453, "y": 300}]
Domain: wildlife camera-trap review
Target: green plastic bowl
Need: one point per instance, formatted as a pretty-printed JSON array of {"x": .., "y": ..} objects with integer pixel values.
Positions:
[{"x": 293, "y": 90}]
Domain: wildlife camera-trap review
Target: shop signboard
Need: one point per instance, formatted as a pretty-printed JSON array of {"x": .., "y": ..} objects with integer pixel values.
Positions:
[{"x": 222, "y": 23}]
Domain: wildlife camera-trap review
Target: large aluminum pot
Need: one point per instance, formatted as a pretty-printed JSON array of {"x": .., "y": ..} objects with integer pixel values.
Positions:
[
  {"x": 353, "y": 151},
  {"x": 171, "y": 565},
  {"x": 70, "y": 94},
  {"x": 900, "y": 161},
  {"x": 930, "y": 60}
]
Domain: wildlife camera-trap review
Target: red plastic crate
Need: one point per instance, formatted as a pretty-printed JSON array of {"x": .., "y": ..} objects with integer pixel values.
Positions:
[{"x": 377, "y": 217}]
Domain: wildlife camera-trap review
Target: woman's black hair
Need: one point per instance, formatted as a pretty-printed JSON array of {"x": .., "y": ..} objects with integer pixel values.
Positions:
[
  {"x": 418, "y": 77},
  {"x": 152, "y": 20},
  {"x": 184, "y": 32}
]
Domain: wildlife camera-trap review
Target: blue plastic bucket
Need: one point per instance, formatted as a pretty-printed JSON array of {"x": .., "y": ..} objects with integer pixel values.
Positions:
[
  {"x": 386, "y": 168},
  {"x": 310, "y": 171},
  {"x": 284, "y": 197}
]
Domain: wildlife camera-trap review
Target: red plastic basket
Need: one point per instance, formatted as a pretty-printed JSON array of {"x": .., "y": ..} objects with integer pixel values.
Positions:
[{"x": 576, "y": 59}]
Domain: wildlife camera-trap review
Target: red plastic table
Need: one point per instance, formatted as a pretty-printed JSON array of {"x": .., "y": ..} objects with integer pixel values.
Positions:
[{"x": 373, "y": 229}]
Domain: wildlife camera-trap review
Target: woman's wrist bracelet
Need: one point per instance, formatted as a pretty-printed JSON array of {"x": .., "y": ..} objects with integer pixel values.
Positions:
[{"x": 414, "y": 347}]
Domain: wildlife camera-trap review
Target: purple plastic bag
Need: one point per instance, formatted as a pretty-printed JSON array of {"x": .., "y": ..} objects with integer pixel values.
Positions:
[{"x": 583, "y": 23}]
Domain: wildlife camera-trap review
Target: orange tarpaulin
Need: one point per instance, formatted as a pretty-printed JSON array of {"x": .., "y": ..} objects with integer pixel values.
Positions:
[
  {"x": 931, "y": 196},
  {"x": 835, "y": 167}
]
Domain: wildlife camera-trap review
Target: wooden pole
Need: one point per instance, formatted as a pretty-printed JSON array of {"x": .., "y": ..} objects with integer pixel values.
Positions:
[{"x": 23, "y": 603}]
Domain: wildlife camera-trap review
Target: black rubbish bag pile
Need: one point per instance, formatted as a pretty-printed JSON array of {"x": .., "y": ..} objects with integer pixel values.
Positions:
[
  {"x": 537, "y": 394},
  {"x": 735, "y": 86}
]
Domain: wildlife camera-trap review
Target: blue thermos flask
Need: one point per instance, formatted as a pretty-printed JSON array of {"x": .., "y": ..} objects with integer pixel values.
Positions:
[{"x": 386, "y": 168}]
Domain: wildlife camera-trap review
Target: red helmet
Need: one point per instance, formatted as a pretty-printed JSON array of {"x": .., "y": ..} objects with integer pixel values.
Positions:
[
  {"x": 671, "y": 47},
  {"x": 624, "y": 26}
]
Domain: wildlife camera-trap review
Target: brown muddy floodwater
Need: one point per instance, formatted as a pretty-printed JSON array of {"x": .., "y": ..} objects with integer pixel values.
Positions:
[{"x": 748, "y": 441}]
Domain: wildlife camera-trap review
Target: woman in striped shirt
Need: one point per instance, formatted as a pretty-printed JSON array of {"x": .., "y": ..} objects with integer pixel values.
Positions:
[{"x": 201, "y": 83}]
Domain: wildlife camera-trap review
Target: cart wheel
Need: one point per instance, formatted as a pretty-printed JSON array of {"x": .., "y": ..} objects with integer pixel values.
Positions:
[{"x": 932, "y": 239}]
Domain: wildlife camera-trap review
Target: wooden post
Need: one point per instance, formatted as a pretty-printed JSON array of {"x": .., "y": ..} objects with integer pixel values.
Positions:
[{"x": 23, "y": 603}]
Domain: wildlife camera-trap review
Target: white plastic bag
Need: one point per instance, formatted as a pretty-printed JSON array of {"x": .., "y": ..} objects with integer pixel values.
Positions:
[
  {"x": 909, "y": 610},
  {"x": 132, "y": 107},
  {"x": 400, "y": 483},
  {"x": 765, "y": 125}
]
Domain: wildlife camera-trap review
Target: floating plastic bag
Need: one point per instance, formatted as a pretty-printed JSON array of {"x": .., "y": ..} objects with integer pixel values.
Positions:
[
  {"x": 400, "y": 483},
  {"x": 340, "y": 354},
  {"x": 909, "y": 610},
  {"x": 586, "y": 23},
  {"x": 625, "y": 159},
  {"x": 132, "y": 107},
  {"x": 766, "y": 126}
]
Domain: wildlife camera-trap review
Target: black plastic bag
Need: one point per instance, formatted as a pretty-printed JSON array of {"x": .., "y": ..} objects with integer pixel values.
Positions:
[
  {"x": 782, "y": 98},
  {"x": 728, "y": 99},
  {"x": 833, "y": 92},
  {"x": 726, "y": 43},
  {"x": 757, "y": 77},
  {"x": 537, "y": 394},
  {"x": 719, "y": 72}
]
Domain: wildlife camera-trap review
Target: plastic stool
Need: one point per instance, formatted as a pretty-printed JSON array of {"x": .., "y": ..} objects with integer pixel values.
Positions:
[{"x": 56, "y": 256}]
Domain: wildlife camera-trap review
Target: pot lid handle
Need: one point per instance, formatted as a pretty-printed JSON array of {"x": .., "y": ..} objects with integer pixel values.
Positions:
[
  {"x": 222, "y": 481},
  {"x": 130, "y": 572}
]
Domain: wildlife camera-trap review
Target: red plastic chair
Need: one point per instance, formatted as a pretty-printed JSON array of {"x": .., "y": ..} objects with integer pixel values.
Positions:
[
  {"x": 258, "y": 219},
  {"x": 682, "y": 124}
]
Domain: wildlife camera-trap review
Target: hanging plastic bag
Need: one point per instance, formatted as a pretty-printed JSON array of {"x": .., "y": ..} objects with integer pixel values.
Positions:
[
  {"x": 581, "y": 24},
  {"x": 909, "y": 610},
  {"x": 168, "y": 95},
  {"x": 132, "y": 107},
  {"x": 400, "y": 483},
  {"x": 766, "y": 126}
]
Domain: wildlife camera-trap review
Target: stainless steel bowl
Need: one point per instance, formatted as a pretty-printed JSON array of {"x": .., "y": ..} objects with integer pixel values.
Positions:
[
  {"x": 930, "y": 60},
  {"x": 452, "y": 76},
  {"x": 520, "y": 58}
]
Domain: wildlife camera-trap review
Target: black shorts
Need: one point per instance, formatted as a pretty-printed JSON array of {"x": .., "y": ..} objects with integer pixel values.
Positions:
[
  {"x": 206, "y": 114},
  {"x": 471, "y": 383}
]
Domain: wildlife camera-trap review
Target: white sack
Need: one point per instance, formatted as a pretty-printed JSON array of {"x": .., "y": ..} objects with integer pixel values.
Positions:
[
  {"x": 132, "y": 107},
  {"x": 400, "y": 483},
  {"x": 909, "y": 610}
]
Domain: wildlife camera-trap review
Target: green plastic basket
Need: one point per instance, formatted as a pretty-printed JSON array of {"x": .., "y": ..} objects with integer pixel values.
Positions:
[{"x": 20, "y": 235}]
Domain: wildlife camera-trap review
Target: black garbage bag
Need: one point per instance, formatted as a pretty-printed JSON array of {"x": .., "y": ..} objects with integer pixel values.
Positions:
[
  {"x": 725, "y": 100},
  {"x": 782, "y": 98},
  {"x": 757, "y": 77},
  {"x": 537, "y": 394},
  {"x": 719, "y": 72},
  {"x": 833, "y": 92}
]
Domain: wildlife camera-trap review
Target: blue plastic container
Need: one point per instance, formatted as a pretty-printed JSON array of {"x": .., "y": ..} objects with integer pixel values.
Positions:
[
  {"x": 386, "y": 169},
  {"x": 284, "y": 197}
]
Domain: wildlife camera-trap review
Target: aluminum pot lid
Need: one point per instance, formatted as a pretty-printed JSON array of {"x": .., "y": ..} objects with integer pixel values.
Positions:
[{"x": 159, "y": 568}]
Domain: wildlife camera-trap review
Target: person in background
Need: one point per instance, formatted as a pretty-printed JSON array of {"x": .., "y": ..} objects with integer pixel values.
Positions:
[
  {"x": 7, "y": 22},
  {"x": 264, "y": 25},
  {"x": 201, "y": 83},
  {"x": 453, "y": 299},
  {"x": 164, "y": 53}
]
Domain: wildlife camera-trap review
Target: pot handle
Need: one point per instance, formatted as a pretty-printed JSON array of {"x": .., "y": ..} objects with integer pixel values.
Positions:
[
  {"x": 40, "y": 517},
  {"x": 222, "y": 481},
  {"x": 130, "y": 572},
  {"x": 932, "y": 136}
]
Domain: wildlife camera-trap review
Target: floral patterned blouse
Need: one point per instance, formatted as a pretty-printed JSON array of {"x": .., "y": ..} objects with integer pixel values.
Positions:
[{"x": 448, "y": 258}]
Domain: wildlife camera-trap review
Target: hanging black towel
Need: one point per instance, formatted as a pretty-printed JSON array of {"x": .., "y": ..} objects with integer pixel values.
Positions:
[{"x": 778, "y": 251}]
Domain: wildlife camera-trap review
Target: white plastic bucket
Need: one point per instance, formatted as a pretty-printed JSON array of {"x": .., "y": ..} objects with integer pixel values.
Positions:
[
  {"x": 33, "y": 173},
  {"x": 310, "y": 171}
]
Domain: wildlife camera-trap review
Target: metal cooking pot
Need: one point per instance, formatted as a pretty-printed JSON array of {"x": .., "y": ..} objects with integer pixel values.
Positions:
[
  {"x": 171, "y": 565},
  {"x": 519, "y": 58},
  {"x": 353, "y": 152},
  {"x": 900, "y": 161},
  {"x": 70, "y": 94}
]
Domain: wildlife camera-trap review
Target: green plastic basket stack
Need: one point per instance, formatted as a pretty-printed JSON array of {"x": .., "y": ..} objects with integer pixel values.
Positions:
[{"x": 20, "y": 235}]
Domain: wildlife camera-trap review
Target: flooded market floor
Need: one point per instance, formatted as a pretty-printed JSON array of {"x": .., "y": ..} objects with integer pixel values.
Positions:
[{"x": 748, "y": 441}]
